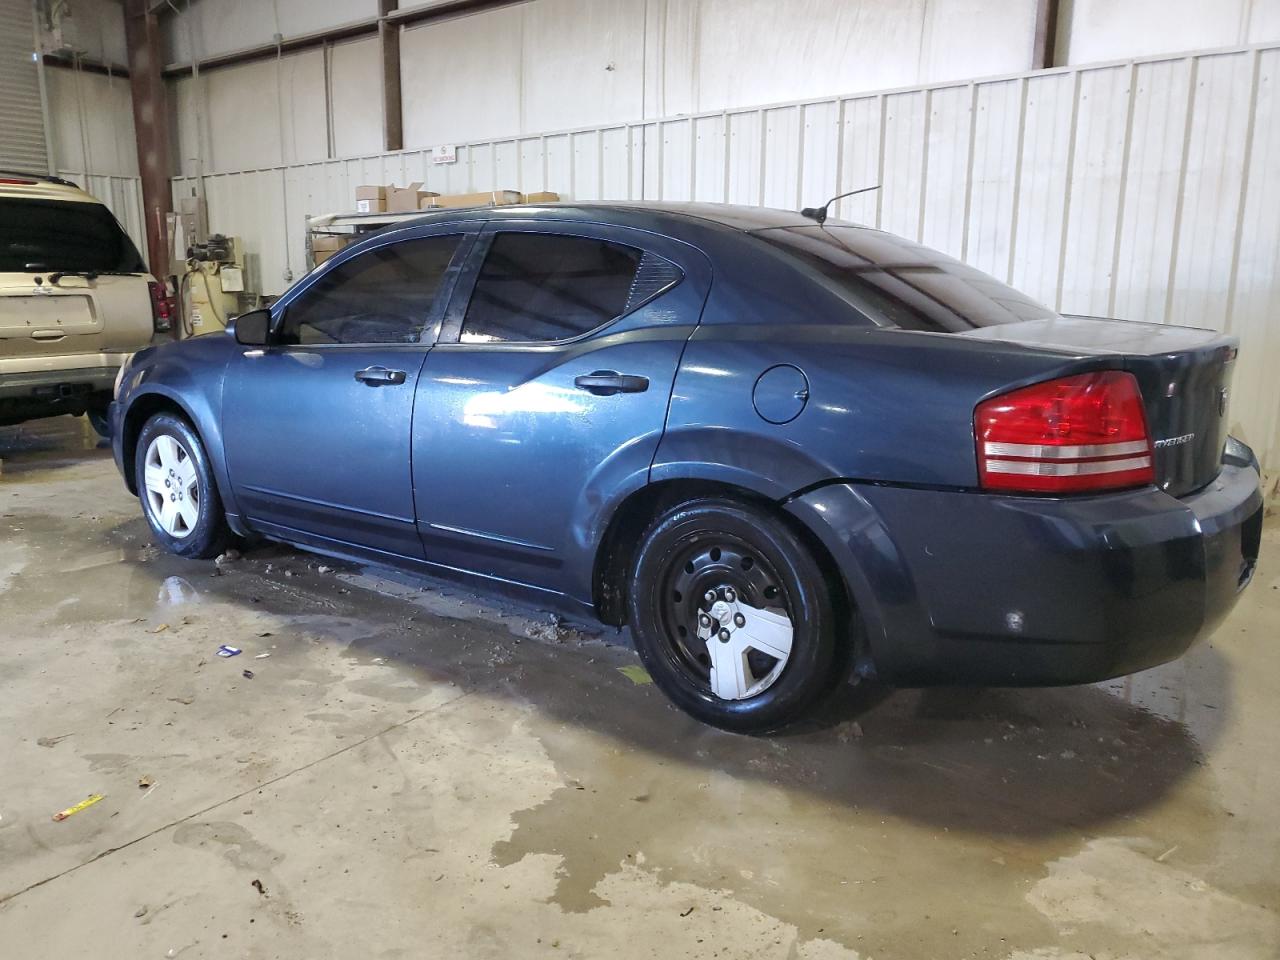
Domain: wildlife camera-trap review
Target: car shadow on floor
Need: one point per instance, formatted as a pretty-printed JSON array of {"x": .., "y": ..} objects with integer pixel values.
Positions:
[{"x": 1004, "y": 762}]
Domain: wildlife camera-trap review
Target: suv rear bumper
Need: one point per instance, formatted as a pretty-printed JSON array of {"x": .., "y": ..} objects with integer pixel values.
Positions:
[
  {"x": 49, "y": 383},
  {"x": 972, "y": 588}
]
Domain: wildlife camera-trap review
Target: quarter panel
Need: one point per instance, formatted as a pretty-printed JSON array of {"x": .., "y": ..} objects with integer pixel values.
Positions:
[{"x": 883, "y": 405}]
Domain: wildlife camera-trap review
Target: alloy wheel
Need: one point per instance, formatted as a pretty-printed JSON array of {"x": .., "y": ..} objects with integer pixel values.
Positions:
[{"x": 172, "y": 486}]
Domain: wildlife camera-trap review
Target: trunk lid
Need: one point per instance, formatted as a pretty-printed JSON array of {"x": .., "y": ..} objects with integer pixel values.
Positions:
[{"x": 1184, "y": 374}]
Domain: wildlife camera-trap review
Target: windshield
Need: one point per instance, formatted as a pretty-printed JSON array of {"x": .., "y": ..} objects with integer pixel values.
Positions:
[
  {"x": 48, "y": 235},
  {"x": 899, "y": 283}
]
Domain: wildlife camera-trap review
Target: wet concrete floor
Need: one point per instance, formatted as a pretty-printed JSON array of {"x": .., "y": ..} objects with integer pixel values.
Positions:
[{"x": 415, "y": 771}]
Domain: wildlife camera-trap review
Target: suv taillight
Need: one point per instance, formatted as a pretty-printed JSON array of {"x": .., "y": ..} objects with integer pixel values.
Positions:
[
  {"x": 1077, "y": 434},
  {"x": 161, "y": 307}
]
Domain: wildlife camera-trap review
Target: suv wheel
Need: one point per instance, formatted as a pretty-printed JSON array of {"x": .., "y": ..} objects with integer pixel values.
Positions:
[
  {"x": 99, "y": 420},
  {"x": 176, "y": 487},
  {"x": 732, "y": 616}
]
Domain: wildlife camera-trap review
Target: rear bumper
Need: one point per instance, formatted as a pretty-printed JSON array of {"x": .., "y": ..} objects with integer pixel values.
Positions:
[
  {"x": 970, "y": 588},
  {"x": 51, "y": 384}
]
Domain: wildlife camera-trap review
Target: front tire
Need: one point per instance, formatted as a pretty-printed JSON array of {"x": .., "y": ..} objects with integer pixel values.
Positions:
[
  {"x": 733, "y": 617},
  {"x": 176, "y": 486}
]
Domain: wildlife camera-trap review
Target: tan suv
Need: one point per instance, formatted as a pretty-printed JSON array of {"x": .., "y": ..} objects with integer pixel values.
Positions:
[{"x": 75, "y": 301}]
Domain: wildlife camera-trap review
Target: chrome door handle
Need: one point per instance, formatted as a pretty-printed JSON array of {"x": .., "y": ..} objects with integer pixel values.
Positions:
[{"x": 380, "y": 376}]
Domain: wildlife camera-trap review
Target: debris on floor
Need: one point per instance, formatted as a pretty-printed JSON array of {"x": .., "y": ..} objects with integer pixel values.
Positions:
[
  {"x": 160, "y": 629},
  {"x": 849, "y": 730},
  {"x": 247, "y": 674},
  {"x": 257, "y": 885},
  {"x": 637, "y": 675},
  {"x": 227, "y": 651},
  {"x": 52, "y": 741},
  {"x": 231, "y": 556},
  {"x": 145, "y": 783},
  {"x": 552, "y": 630},
  {"x": 84, "y": 804},
  {"x": 262, "y": 656}
]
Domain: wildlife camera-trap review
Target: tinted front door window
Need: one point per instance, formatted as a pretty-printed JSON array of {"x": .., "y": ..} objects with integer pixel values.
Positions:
[
  {"x": 382, "y": 296},
  {"x": 544, "y": 287}
]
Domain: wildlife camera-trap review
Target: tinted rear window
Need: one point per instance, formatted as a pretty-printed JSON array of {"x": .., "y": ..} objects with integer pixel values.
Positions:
[
  {"x": 62, "y": 235},
  {"x": 899, "y": 283}
]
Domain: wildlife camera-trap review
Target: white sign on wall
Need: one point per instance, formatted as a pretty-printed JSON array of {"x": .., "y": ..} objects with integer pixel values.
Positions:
[{"x": 445, "y": 154}]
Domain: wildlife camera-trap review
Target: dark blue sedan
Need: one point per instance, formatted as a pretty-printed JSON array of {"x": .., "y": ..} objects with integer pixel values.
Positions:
[{"x": 779, "y": 450}]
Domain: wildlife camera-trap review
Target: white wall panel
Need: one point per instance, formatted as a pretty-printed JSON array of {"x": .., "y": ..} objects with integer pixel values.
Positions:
[
  {"x": 1144, "y": 190},
  {"x": 903, "y": 148},
  {"x": 1152, "y": 177},
  {"x": 220, "y": 26},
  {"x": 946, "y": 168},
  {"x": 862, "y": 159},
  {"x": 355, "y": 90},
  {"x": 1254, "y": 303},
  {"x": 993, "y": 173},
  {"x": 460, "y": 80},
  {"x": 1094, "y": 189},
  {"x": 1045, "y": 171},
  {"x": 258, "y": 114},
  {"x": 91, "y": 122},
  {"x": 1211, "y": 179},
  {"x": 1117, "y": 29}
]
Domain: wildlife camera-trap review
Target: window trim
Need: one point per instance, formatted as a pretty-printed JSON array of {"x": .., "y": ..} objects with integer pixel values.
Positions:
[
  {"x": 451, "y": 328},
  {"x": 467, "y": 234}
]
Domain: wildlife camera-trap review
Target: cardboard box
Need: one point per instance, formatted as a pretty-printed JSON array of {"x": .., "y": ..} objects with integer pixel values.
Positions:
[
  {"x": 544, "y": 196},
  {"x": 371, "y": 199},
  {"x": 406, "y": 199},
  {"x": 325, "y": 245},
  {"x": 487, "y": 198}
]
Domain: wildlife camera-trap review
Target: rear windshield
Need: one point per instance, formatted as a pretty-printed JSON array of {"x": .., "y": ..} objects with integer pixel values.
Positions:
[
  {"x": 895, "y": 282},
  {"x": 48, "y": 235}
]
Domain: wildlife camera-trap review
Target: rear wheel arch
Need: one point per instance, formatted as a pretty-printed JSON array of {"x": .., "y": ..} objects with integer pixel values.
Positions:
[{"x": 617, "y": 549}]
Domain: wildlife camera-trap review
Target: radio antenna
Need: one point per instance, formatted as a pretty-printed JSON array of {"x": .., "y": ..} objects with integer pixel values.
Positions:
[{"x": 819, "y": 214}]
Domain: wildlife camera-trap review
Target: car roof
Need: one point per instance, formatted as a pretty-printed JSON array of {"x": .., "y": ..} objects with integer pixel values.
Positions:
[
  {"x": 36, "y": 186},
  {"x": 641, "y": 214}
]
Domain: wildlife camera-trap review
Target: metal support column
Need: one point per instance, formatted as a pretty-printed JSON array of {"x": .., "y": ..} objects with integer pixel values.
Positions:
[{"x": 151, "y": 122}]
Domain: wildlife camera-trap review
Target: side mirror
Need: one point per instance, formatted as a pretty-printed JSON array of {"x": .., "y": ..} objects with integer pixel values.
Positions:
[{"x": 252, "y": 329}]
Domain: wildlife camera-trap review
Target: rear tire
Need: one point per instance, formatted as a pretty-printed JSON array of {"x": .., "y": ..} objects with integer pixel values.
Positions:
[
  {"x": 177, "y": 490},
  {"x": 100, "y": 421},
  {"x": 733, "y": 617}
]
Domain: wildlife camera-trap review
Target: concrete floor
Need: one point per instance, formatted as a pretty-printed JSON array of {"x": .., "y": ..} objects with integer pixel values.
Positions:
[{"x": 410, "y": 774}]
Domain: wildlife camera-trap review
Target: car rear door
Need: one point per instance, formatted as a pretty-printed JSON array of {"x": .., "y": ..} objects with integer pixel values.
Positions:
[
  {"x": 317, "y": 424},
  {"x": 547, "y": 394}
]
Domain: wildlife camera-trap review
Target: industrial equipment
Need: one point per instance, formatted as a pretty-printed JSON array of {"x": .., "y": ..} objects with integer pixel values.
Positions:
[{"x": 212, "y": 284}]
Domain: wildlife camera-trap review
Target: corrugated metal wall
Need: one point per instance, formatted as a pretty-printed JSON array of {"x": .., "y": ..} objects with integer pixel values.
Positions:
[
  {"x": 122, "y": 196},
  {"x": 1148, "y": 190},
  {"x": 22, "y": 137}
]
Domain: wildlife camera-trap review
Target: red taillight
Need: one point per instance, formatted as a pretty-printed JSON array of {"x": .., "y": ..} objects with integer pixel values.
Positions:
[
  {"x": 1081, "y": 433},
  {"x": 15, "y": 180},
  {"x": 161, "y": 306}
]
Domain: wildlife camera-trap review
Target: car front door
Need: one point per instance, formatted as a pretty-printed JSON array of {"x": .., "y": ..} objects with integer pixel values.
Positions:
[
  {"x": 317, "y": 423},
  {"x": 547, "y": 394}
]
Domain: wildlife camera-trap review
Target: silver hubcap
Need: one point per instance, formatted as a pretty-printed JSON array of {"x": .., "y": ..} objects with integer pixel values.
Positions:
[
  {"x": 172, "y": 486},
  {"x": 731, "y": 629}
]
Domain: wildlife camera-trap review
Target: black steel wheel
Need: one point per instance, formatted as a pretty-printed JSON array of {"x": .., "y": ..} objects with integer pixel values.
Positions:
[{"x": 732, "y": 615}]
